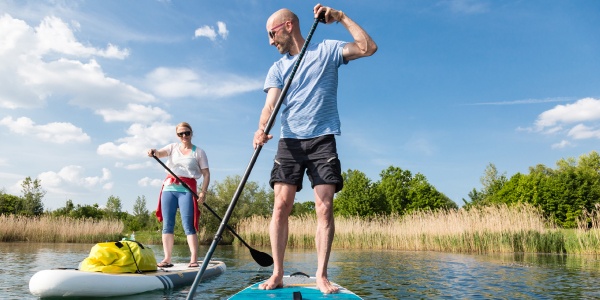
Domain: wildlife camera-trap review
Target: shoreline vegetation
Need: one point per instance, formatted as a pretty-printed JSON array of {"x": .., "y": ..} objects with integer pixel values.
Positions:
[
  {"x": 48, "y": 229},
  {"x": 491, "y": 229}
]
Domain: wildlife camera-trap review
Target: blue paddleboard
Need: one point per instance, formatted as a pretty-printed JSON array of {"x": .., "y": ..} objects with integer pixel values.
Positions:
[{"x": 295, "y": 286}]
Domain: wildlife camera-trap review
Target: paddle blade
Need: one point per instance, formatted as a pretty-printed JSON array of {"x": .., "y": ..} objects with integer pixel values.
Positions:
[{"x": 263, "y": 259}]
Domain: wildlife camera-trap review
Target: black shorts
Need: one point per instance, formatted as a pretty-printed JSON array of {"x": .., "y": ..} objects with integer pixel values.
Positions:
[{"x": 317, "y": 156}]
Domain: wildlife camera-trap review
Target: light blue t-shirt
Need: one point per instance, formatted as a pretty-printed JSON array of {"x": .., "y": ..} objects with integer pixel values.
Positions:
[{"x": 310, "y": 106}]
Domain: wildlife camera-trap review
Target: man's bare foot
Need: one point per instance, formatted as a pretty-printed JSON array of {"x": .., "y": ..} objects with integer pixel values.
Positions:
[
  {"x": 272, "y": 283},
  {"x": 326, "y": 287}
]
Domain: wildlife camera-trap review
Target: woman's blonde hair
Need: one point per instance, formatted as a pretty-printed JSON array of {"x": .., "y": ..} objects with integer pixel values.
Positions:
[{"x": 184, "y": 124}]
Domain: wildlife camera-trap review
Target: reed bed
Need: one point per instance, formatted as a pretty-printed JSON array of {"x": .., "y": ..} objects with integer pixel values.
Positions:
[
  {"x": 586, "y": 238},
  {"x": 520, "y": 228},
  {"x": 491, "y": 229},
  {"x": 58, "y": 229}
]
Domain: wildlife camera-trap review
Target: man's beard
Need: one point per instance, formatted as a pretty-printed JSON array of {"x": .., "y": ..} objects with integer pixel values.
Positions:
[{"x": 285, "y": 45}]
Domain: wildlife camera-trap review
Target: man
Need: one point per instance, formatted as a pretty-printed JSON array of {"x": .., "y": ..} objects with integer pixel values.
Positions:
[{"x": 309, "y": 123}]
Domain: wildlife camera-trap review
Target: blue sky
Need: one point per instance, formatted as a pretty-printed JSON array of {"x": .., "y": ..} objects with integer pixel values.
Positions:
[{"x": 87, "y": 86}]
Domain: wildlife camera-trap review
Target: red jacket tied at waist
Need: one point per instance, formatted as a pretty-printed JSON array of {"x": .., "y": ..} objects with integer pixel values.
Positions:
[{"x": 191, "y": 183}]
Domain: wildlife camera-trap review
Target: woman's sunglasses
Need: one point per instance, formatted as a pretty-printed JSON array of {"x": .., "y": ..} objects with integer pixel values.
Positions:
[{"x": 187, "y": 133}]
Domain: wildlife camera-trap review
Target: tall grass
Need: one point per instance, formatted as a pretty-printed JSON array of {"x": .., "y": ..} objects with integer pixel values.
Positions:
[
  {"x": 58, "y": 229},
  {"x": 586, "y": 238},
  {"x": 502, "y": 228},
  {"x": 519, "y": 228}
]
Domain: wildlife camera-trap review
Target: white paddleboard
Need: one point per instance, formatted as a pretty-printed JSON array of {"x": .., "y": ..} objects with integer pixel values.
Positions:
[{"x": 75, "y": 283}]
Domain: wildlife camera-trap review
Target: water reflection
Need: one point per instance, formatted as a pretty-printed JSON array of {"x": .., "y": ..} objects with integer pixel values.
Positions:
[
  {"x": 431, "y": 275},
  {"x": 371, "y": 274}
]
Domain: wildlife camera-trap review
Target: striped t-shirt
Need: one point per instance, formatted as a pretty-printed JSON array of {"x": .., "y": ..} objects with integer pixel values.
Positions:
[{"x": 310, "y": 106}]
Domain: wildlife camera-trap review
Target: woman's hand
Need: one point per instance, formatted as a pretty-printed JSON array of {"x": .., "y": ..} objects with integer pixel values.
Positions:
[
  {"x": 151, "y": 152},
  {"x": 201, "y": 197}
]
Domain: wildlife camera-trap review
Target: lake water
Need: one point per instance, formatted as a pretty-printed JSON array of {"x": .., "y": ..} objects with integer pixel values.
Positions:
[{"x": 370, "y": 274}]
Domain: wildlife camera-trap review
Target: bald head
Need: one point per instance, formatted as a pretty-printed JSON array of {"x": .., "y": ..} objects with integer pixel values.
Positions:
[
  {"x": 281, "y": 16},
  {"x": 283, "y": 27}
]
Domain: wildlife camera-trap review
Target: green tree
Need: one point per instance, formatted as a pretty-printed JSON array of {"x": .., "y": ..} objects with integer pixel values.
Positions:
[
  {"x": 590, "y": 163},
  {"x": 64, "y": 211},
  {"x": 394, "y": 187},
  {"x": 254, "y": 200},
  {"x": 562, "y": 193},
  {"x": 397, "y": 192},
  {"x": 576, "y": 186},
  {"x": 423, "y": 195},
  {"x": 87, "y": 211},
  {"x": 303, "y": 208},
  {"x": 10, "y": 204},
  {"x": 358, "y": 197},
  {"x": 154, "y": 224},
  {"x": 32, "y": 197},
  {"x": 113, "y": 207},
  {"x": 492, "y": 183},
  {"x": 141, "y": 217}
]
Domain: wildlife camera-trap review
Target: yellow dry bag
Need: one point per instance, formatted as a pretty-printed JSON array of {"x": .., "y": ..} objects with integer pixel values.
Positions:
[{"x": 119, "y": 257}]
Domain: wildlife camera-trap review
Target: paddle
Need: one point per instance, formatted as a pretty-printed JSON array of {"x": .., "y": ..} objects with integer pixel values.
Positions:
[
  {"x": 240, "y": 187},
  {"x": 261, "y": 258}
]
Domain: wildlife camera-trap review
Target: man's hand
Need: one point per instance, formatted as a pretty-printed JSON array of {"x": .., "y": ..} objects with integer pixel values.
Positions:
[
  {"x": 331, "y": 15},
  {"x": 260, "y": 138}
]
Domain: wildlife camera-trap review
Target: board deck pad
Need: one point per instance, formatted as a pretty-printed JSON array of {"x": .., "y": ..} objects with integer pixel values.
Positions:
[{"x": 294, "y": 287}]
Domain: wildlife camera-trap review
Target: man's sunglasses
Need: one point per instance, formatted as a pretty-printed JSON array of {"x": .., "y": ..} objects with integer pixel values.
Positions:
[
  {"x": 273, "y": 31},
  {"x": 187, "y": 133}
]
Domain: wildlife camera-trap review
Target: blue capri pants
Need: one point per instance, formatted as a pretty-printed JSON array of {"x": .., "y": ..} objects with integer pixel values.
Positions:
[{"x": 169, "y": 203}]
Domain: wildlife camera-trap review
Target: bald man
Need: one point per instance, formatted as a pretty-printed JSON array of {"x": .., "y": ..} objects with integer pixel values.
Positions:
[{"x": 309, "y": 124}]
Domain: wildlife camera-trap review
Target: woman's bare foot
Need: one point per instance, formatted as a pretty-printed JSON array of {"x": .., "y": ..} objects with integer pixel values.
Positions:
[
  {"x": 326, "y": 287},
  {"x": 272, "y": 283}
]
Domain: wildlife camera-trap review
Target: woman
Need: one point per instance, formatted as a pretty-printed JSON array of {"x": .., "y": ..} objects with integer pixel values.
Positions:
[{"x": 189, "y": 163}]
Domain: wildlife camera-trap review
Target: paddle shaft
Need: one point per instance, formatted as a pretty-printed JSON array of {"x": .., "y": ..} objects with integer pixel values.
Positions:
[
  {"x": 205, "y": 205},
  {"x": 240, "y": 187}
]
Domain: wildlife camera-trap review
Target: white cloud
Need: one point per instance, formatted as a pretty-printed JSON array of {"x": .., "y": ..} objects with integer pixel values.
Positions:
[
  {"x": 561, "y": 144},
  {"x": 140, "y": 139},
  {"x": 72, "y": 177},
  {"x": 583, "y": 110},
  {"x": 47, "y": 61},
  {"x": 138, "y": 166},
  {"x": 134, "y": 113},
  {"x": 206, "y": 31},
  {"x": 54, "y": 35},
  {"x": 209, "y": 31},
  {"x": 146, "y": 181},
  {"x": 7, "y": 178},
  {"x": 222, "y": 30},
  {"x": 55, "y": 132},
  {"x": 581, "y": 131},
  {"x": 553, "y": 130},
  {"x": 560, "y": 119},
  {"x": 181, "y": 82},
  {"x": 87, "y": 85}
]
